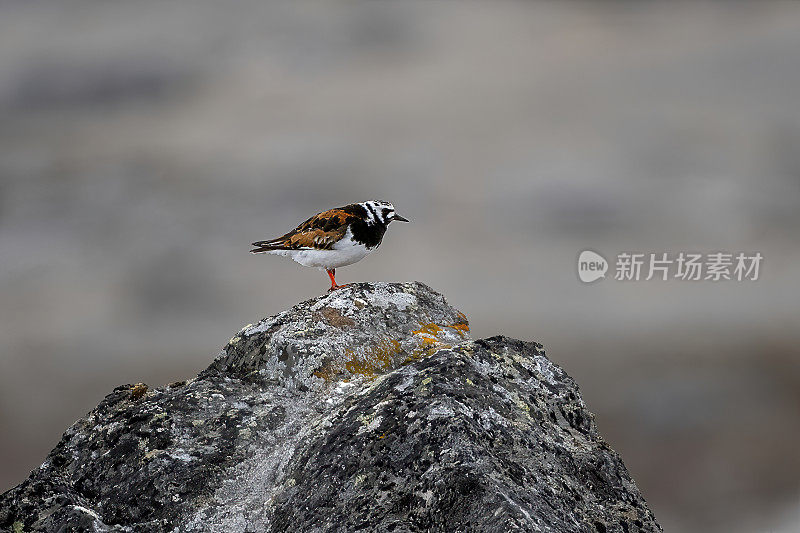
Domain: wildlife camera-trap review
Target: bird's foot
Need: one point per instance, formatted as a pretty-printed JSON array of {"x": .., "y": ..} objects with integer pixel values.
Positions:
[{"x": 331, "y": 274}]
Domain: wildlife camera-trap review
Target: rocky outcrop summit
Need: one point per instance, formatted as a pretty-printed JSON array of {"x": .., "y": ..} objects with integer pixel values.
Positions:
[{"x": 367, "y": 409}]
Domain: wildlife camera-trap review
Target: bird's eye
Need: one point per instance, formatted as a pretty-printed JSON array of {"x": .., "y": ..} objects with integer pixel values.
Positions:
[{"x": 385, "y": 213}]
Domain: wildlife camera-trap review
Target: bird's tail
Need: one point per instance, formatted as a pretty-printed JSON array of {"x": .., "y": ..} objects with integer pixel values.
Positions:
[{"x": 262, "y": 247}]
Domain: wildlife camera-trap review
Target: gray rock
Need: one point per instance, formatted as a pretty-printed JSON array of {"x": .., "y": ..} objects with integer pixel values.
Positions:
[{"x": 368, "y": 409}]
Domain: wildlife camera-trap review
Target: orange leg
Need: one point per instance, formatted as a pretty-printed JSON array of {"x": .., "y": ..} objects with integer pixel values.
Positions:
[{"x": 331, "y": 274}]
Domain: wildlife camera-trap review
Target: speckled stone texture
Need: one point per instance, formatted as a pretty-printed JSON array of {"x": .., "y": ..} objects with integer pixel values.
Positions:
[{"x": 368, "y": 409}]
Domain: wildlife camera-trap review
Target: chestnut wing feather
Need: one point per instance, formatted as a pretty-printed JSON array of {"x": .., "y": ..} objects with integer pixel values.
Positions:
[{"x": 319, "y": 232}]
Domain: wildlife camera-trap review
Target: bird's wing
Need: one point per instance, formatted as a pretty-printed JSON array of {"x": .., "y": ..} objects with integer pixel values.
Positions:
[{"x": 319, "y": 232}]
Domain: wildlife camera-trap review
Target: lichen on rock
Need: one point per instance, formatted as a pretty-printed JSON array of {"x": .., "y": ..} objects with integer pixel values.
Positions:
[
  {"x": 367, "y": 409},
  {"x": 360, "y": 331}
]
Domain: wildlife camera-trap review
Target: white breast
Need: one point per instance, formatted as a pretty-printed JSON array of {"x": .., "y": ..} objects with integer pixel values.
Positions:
[{"x": 345, "y": 252}]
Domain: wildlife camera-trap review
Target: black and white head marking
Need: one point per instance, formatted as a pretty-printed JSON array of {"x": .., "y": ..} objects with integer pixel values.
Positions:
[{"x": 379, "y": 212}]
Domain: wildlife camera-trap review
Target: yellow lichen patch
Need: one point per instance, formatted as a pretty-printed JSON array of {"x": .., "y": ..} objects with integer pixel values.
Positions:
[
  {"x": 368, "y": 362},
  {"x": 428, "y": 342},
  {"x": 137, "y": 391},
  {"x": 354, "y": 365},
  {"x": 428, "y": 329},
  {"x": 374, "y": 360},
  {"x": 325, "y": 372},
  {"x": 462, "y": 325},
  {"x": 428, "y": 334}
]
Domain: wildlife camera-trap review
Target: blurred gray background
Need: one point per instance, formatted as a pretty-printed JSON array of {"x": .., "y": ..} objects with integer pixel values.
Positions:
[{"x": 144, "y": 145}]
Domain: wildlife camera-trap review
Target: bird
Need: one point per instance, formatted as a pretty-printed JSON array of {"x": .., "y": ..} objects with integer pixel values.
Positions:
[{"x": 334, "y": 238}]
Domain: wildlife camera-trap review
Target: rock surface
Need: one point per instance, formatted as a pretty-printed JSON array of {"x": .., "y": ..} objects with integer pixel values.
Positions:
[{"x": 368, "y": 409}]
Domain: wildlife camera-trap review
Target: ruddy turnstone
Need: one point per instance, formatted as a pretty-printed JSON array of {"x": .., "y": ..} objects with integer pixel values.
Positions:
[{"x": 334, "y": 238}]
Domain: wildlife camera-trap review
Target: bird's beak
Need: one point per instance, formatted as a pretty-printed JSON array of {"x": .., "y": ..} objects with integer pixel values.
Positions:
[{"x": 398, "y": 217}]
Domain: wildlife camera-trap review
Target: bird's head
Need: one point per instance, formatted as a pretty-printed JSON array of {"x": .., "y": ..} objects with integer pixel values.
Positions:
[{"x": 381, "y": 213}]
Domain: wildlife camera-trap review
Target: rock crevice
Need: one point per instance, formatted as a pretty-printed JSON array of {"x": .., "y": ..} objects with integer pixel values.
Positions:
[{"x": 368, "y": 409}]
